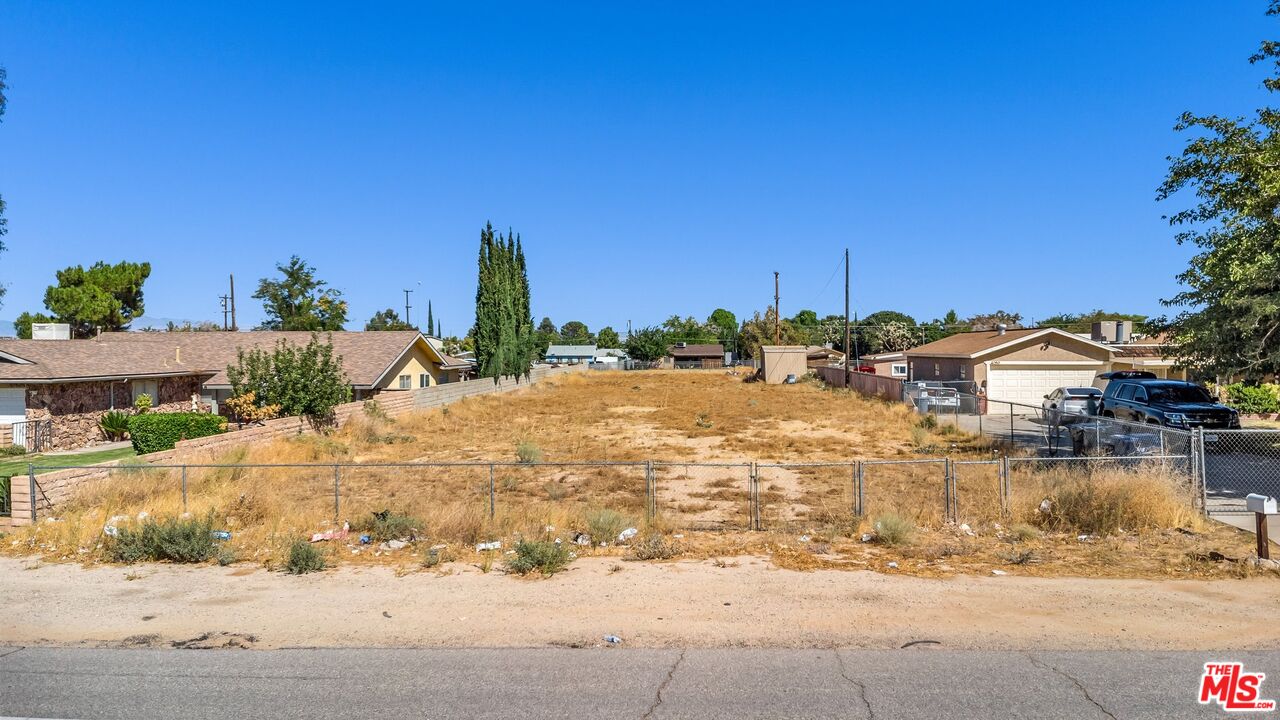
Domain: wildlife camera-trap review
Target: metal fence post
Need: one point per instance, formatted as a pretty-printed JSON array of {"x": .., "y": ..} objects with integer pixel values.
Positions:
[
  {"x": 1200, "y": 467},
  {"x": 650, "y": 489},
  {"x": 31, "y": 488},
  {"x": 1010, "y": 423},
  {"x": 754, "y": 483},
  {"x": 1004, "y": 486},
  {"x": 862, "y": 494},
  {"x": 492, "y": 495},
  {"x": 184, "y": 488},
  {"x": 947, "y": 495},
  {"x": 337, "y": 478}
]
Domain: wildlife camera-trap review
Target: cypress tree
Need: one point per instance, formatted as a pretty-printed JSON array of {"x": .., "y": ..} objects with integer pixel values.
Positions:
[
  {"x": 431, "y": 326},
  {"x": 503, "y": 332}
]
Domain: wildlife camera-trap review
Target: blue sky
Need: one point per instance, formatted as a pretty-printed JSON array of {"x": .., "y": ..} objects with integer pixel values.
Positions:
[{"x": 657, "y": 158}]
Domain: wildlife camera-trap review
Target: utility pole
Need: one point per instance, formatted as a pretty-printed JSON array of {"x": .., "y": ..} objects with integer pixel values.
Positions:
[
  {"x": 234, "y": 328},
  {"x": 847, "y": 334},
  {"x": 776, "y": 316},
  {"x": 406, "y": 309},
  {"x": 226, "y": 309}
]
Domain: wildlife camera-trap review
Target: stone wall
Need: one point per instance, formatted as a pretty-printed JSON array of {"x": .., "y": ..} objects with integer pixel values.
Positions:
[
  {"x": 76, "y": 408},
  {"x": 56, "y": 487}
]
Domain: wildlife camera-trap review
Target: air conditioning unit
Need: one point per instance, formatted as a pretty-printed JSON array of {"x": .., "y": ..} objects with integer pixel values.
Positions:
[
  {"x": 682, "y": 344},
  {"x": 50, "y": 331}
]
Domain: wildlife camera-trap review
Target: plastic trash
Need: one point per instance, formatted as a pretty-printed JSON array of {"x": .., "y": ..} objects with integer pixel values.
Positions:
[
  {"x": 804, "y": 538},
  {"x": 627, "y": 534},
  {"x": 1046, "y": 506},
  {"x": 143, "y": 515},
  {"x": 110, "y": 530},
  {"x": 613, "y": 639},
  {"x": 365, "y": 539},
  {"x": 581, "y": 539},
  {"x": 893, "y": 564},
  {"x": 220, "y": 535},
  {"x": 868, "y": 537},
  {"x": 393, "y": 545},
  {"x": 999, "y": 572},
  {"x": 495, "y": 545}
]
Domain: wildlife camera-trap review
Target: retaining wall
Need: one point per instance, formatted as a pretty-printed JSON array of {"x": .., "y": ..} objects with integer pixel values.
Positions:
[{"x": 55, "y": 487}]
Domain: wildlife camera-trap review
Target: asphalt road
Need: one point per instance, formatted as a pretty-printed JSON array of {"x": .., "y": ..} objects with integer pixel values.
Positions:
[{"x": 609, "y": 684}]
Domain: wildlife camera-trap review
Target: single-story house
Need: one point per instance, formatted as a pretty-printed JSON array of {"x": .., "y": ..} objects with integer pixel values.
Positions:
[
  {"x": 889, "y": 364},
  {"x": 67, "y": 385},
  {"x": 1150, "y": 354},
  {"x": 609, "y": 356},
  {"x": 686, "y": 355},
  {"x": 1019, "y": 366},
  {"x": 570, "y": 354},
  {"x": 822, "y": 356}
]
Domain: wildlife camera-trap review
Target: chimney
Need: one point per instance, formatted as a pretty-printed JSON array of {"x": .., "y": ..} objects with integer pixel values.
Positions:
[
  {"x": 1001, "y": 328},
  {"x": 177, "y": 354}
]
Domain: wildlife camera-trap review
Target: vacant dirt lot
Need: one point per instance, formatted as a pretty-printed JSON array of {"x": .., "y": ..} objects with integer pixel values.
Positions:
[{"x": 1144, "y": 523}]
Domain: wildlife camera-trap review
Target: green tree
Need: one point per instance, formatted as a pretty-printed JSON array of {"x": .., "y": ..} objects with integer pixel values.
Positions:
[
  {"x": 805, "y": 318},
  {"x": 102, "y": 297},
  {"x": 431, "y": 322},
  {"x": 689, "y": 329},
  {"x": 504, "y": 338},
  {"x": 989, "y": 321},
  {"x": 387, "y": 320},
  {"x": 882, "y": 330},
  {"x": 724, "y": 323},
  {"x": 299, "y": 300},
  {"x": 575, "y": 332},
  {"x": 647, "y": 344},
  {"x": 308, "y": 381},
  {"x": 1083, "y": 322},
  {"x": 759, "y": 330},
  {"x": 608, "y": 338},
  {"x": 544, "y": 337}
]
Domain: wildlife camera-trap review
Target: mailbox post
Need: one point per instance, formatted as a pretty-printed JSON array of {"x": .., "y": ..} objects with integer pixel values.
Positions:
[{"x": 1261, "y": 506}]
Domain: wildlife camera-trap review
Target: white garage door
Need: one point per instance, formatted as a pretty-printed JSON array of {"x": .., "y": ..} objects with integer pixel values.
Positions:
[
  {"x": 13, "y": 409},
  {"x": 1029, "y": 385}
]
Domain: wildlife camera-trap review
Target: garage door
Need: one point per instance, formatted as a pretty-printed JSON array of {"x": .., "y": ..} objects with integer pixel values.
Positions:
[
  {"x": 13, "y": 409},
  {"x": 1029, "y": 385}
]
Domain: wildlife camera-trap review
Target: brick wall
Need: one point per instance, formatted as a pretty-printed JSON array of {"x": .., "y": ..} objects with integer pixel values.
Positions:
[{"x": 56, "y": 487}]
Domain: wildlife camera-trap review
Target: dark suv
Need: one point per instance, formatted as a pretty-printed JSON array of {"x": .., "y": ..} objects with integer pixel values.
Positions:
[{"x": 1172, "y": 403}]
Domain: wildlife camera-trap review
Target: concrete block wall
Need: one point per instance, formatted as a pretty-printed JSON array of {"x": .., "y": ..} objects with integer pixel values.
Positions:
[{"x": 56, "y": 487}]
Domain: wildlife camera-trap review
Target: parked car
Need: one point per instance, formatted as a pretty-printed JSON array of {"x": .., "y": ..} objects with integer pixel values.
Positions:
[
  {"x": 1067, "y": 405},
  {"x": 1172, "y": 403},
  {"x": 1104, "y": 379}
]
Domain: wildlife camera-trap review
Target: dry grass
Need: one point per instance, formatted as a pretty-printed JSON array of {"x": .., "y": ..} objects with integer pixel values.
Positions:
[{"x": 695, "y": 417}]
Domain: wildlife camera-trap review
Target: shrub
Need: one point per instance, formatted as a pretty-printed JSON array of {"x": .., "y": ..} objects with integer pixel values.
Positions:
[
  {"x": 655, "y": 546},
  {"x": 386, "y": 525},
  {"x": 1105, "y": 502},
  {"x": 304, "y": 558},
  {"x": 528, "y": 452},
  {"x": 543, "y": 556},
  {"x": 183, "y": 540},
  {"x": 373, "y": 409},
  {"x": 226, "y": 556},
  {"x": 1023, "y": 533},
  {"x": 893, "y": 530},
  {"x": 12, "y": 450},
  {"x": 605, "y": 525},
  {"x": 1253, "y": 398},
  {"x": 307, "y": 381},
  {"x": 142, "y": 403},
  {"x": 154, "y": 432},
  {"x": 114, "y": 424},
  {"x": 245, "y": 408}
]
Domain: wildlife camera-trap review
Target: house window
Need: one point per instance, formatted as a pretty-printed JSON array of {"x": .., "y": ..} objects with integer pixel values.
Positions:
[
  {"x": 937, "y": 370},
  {"x": 963, "y": 370},
  {"x": 406, "y": 382},
  {"x": 424, "y": 380},
  {"x": 898, "y": 370},
  {"x": 150, "y": 388}
]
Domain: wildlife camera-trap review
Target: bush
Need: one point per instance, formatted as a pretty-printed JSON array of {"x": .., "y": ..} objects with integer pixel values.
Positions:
[
  {"x": 188, "y": 540},
  {"x": 114, "y": 424},
  {"x": 304, "y": 558},
  {"x": 307, "y": 381},
  {"x": 386, "y": 525},
  {"x": 655, "y": 546},
  {"x": 893, "y": 530},
  {"x": 154, "y": 432},
  {"x": 605, "y": 525},
  {"x": 142, "y": 403},
  {"x": 1253, "y": 398},
  {"x": 1023, "y": 533},
  {"x": 544, "y": 556},
  {"x": 12, "y": 450},
  {"x": 1105, "y": 502},
  {"x": 528, "y": 452}
]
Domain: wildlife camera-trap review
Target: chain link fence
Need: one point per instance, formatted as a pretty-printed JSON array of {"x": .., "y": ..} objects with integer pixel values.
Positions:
[{"x": 1235, "y": 463}]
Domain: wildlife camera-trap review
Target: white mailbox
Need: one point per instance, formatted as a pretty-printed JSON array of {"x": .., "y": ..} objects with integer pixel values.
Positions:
[{"x": 1260, "y": 504}]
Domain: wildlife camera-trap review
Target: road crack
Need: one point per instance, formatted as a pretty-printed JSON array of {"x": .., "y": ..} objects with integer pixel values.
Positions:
[
  {"x": 657, "y": 697},
  {"x": 11, "y": 652},
  {"x": 1079, "y": 685},
  {"x": 862, "y": 688}
]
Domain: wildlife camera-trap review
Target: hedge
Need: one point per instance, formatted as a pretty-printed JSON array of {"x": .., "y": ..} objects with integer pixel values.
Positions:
[
  {"x": 1253, "y": 399},
  {"x": 153, "y": 432}
]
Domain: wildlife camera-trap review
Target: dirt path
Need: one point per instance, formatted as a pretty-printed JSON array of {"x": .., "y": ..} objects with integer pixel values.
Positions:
[{"x": 693, "y": 603}]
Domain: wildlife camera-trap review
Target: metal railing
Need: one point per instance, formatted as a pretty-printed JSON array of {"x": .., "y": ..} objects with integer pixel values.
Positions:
[{"x": 34, "y": 435}]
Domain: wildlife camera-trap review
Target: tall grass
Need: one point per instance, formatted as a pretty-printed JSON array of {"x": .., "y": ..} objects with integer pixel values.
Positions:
[{"x": 1105, "y": 501}]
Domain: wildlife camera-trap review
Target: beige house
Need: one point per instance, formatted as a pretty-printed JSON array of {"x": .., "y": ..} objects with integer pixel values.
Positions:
[
  {"x": 55, "y": 391},
  {"x": 890, "y": 364},
  {"x": 1020, "y": 366}
]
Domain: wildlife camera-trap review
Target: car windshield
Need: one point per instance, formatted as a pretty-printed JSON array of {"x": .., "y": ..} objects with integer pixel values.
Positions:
[
  {"x": 1179, "y": 393},
  {"x": 1083, "y": 391}
]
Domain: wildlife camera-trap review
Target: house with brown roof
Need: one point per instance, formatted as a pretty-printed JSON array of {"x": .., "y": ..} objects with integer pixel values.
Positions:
[
  {"x": 693, "y": 355},
  {"x": 61, "y": 388},
  {"x": 1020, "y": 366}
]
